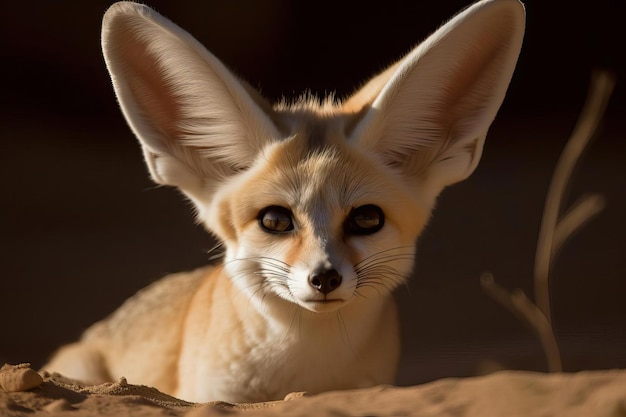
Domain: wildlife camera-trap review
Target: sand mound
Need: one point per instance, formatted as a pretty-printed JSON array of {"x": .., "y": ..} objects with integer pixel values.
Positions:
[{"x": 588, "y": 394}]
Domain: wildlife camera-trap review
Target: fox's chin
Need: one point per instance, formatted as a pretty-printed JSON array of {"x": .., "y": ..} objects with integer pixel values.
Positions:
[{"x": 323, "y": 306}]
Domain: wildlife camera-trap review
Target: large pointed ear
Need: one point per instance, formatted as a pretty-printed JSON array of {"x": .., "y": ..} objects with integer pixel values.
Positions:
[
  {"x": 197, "y": 123},
  {"x": 429, "y": 113}
]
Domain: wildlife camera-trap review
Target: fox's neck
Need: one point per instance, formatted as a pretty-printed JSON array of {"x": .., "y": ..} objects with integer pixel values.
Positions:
[
  {"x": 352, "y": 322},
  {"x": 264, "y": 315}
]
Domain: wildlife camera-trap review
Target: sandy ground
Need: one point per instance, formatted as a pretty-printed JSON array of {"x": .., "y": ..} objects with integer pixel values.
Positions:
[{"x": 508, "y": 393}]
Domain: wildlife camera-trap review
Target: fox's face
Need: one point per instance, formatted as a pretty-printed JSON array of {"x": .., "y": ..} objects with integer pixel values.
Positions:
[
  {"x": 320, "y": 201},
  {"x": 318, "y": 223}
]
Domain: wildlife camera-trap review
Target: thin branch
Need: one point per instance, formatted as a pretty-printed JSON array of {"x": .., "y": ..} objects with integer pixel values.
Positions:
[
  {"x": 554, "y": 232},
  {"x": 600, "y": 90},
  {"x": 518, "y": 304},
  {"x": 542, "y": 326},
  {"x": 580, "y": 213},
  {"x": 498, "y": 293}
]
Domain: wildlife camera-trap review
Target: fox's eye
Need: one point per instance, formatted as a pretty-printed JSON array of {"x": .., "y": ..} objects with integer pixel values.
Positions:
[
  {"x": 365, "y": 220},
  {"x": 275, "y": 219}
]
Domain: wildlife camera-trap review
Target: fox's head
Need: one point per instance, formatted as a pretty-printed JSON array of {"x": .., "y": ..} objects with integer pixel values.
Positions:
[{"x": 320, "y": 201}]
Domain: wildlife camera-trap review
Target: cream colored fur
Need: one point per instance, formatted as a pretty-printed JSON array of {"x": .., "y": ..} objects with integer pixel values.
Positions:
[{"x": 302, "y": 300}]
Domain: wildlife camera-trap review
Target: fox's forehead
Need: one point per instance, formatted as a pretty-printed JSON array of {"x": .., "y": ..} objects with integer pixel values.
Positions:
[
  {"x": 326, "y": 175},
  {"x": 317, "y": 169}
]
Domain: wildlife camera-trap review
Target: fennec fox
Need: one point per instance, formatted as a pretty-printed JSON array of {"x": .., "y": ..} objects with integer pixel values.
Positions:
[{"x": 318, "y": 205}]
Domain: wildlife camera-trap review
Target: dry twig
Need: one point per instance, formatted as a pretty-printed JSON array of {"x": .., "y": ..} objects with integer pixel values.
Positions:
[{"x": 556, "y": 229}]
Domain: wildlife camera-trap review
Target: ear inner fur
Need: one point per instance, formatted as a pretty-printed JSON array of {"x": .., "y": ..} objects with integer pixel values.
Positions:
[
  {"x": 441, "y": 98},
  {"x": 207, "y": 126}
]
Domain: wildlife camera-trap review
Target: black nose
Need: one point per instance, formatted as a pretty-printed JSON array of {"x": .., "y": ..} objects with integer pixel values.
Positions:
[{"x": 325, "y": 281}]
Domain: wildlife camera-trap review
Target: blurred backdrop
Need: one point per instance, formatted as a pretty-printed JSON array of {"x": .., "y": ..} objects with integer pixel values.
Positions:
[{"x": 82, "y": 227}]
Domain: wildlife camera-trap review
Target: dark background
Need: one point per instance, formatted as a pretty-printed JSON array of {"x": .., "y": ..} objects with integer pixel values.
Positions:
[{"x": 82, "y": 227}]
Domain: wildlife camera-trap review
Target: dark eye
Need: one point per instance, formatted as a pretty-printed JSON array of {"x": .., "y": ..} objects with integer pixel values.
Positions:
[
  {"x": 365, "y": 220},
  {"x": 276, "y": 219}
]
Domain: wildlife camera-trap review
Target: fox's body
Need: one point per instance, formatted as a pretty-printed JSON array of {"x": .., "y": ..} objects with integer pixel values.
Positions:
[
  {"x": 242, "y": 349},
  {"x": 318, "y": 206}
]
